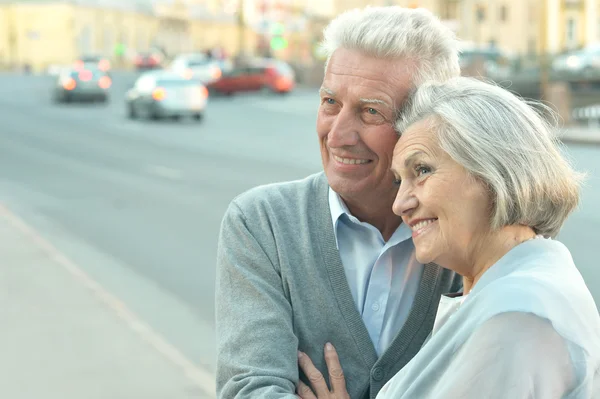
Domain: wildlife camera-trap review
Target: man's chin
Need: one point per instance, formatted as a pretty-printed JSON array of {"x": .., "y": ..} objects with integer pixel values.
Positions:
[{"x": 346, "y": 186}]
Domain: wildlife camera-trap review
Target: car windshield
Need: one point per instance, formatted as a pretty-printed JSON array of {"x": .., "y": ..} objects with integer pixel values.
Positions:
[
  {"x": 284, "y": 68},
  {"x": 95, "y": 73},
  {"x": 174, "y": 82}
]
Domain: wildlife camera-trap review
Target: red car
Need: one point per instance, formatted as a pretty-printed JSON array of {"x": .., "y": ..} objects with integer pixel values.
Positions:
[{"x": 267, "y": 75}]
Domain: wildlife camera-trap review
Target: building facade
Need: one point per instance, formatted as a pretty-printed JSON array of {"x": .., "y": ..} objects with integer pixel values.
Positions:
[
  {"x": 45, "y": 33},
  {"x": 518, "y": 27}
]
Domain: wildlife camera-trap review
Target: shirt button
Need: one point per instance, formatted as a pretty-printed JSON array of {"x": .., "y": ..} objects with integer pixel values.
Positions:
[
  {"x": 375, "y": 306},
  {"x": 378, "y": 374}
]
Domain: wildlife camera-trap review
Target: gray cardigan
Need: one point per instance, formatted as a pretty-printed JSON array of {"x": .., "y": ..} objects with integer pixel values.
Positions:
[{"x": 281, "y": 287}]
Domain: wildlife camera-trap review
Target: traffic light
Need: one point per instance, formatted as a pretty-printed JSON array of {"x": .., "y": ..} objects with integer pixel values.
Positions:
[{"x": 278, "y": 41}]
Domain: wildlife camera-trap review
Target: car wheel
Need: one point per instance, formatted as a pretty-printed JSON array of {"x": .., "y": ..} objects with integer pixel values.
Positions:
[
  {"x": 198, "y": 117},
  {"x": 56, "y": 98},
  {"x": 588, "y": 71},
  {"x": 266, "y": 90},
  {"x": 131, "y": 114}
]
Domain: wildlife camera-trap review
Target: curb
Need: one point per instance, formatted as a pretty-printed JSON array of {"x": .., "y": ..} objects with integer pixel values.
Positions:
[{"x": 198, "y": 376}]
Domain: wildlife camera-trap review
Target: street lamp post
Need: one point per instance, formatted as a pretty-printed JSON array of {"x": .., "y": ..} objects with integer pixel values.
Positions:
[
  {"x": 241, "y": 22},
  {"x": 544, "y": 73}
]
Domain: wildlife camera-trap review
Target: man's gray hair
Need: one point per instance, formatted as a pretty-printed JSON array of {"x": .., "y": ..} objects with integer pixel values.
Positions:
[
  {"x": 397, "y": 33},
  {"x": 505, "y": 143}
]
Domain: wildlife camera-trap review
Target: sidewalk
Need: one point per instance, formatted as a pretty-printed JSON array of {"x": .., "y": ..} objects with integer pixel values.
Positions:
[
  {"x": 580, "y": 135},
  {"x": 64, "y": 337}
]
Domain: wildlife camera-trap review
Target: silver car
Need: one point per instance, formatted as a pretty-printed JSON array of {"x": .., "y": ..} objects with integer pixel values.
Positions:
[
  {"x": 158, "y": 95},
  {"x": 87, "y": 84}
]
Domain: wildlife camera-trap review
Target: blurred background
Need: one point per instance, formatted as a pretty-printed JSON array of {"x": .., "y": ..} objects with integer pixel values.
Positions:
[{"x": 127, "y": 127}]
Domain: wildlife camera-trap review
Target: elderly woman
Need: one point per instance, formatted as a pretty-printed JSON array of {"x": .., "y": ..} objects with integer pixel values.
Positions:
[{"x": 485, "y": 189}]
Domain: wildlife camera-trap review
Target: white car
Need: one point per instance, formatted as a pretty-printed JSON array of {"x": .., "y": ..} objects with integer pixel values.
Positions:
[
  {"x": 197, "y": 67},
  {"x": 158, "y": 95}
]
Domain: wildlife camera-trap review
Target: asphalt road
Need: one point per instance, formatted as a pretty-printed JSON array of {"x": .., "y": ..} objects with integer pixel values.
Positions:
[{"x": 139, "y": 204}]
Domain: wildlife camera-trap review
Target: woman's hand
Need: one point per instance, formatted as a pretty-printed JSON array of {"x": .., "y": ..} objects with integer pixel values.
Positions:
[{"x": 319, "y": 388}]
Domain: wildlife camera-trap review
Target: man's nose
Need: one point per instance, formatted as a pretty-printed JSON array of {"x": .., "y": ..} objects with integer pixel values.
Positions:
[
  {"x": 344, "y": 130},
  {"x": 406, "y": 202}
]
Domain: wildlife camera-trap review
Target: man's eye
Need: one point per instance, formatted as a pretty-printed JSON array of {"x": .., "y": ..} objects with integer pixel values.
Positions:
[
  {"x": 330, "y": 101},
  {"x": 372, "y": 111}
]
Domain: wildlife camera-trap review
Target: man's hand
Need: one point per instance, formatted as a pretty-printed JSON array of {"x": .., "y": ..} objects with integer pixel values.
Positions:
[{"x": 317, "y": 381}]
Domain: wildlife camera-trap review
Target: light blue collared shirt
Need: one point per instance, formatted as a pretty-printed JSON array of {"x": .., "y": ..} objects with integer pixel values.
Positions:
[{"x": 383, "y": 276}]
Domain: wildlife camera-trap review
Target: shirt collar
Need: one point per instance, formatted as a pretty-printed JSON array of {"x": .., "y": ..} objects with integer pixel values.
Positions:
[{"x": 337, "y": 208}]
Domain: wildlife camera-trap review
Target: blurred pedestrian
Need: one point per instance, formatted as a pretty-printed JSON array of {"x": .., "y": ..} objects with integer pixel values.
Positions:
[
  {"x": 486, "y": 189},
  {"x": 325, "y": 259}
]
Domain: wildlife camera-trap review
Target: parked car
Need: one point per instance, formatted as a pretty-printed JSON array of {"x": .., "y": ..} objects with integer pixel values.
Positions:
[
  {"x": 150, "y": 60},
  {"x": 161, "y": 94},
  {"x": 198, "y": 67},
  {"x": 267, "y": 75},
  {"x": 495, "y": 63},
  {"x": 88, "y": 84},
  {"x": 585, "y": 62},
  {"x": 93, "y": 61}
]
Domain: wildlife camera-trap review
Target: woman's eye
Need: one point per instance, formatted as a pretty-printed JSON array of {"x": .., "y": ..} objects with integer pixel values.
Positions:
[
  {"x": 421, "y": 170},
  {"x": 397, "y": 182}
]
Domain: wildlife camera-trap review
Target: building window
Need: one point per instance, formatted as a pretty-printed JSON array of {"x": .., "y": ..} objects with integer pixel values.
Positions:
[
  {"x": 142, "y": 40},
  {"x": 531, "y": 46},
  {"x": 503, "y": 13},
  {"x": 571, "y": 34},
  {"x": 531, "y": 14},
  {"x": 480, "y": 13},
  {"x": 85, "y": 40},
  {"x": 109, "y": 41}
]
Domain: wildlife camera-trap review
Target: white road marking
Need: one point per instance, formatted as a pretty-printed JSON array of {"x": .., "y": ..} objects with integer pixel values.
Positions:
[{"x": 165, "y": 172}]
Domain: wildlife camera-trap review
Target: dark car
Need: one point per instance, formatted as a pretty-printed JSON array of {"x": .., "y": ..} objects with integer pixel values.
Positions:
[
  {"x": 145, "y": 61},
  {"x": 267, "y": 75},
  {"x": 157, "y": 95},
  {"x": 93, "y": 61},
  {"x": 82, "y": 85}
]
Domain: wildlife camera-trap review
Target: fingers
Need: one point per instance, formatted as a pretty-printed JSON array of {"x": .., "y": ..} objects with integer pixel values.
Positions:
[
  {"x": 336, "y": 373},
  {"x": 318, "y": 383},
  {"x": 304, "y": 391}
]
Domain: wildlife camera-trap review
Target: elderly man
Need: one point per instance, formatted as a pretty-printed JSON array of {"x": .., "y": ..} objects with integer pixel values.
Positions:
[{"x": 325, "y": 259}]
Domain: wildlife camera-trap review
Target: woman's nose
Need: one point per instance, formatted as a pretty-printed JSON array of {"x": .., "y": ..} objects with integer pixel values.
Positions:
[{"x": 405, "y": 202}]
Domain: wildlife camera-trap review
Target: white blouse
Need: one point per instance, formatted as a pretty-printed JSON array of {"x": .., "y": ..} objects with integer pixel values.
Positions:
[{"x": 528, "y": 329}]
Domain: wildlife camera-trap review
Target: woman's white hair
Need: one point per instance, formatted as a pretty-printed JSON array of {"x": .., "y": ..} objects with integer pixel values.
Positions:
[
  {"x": 397, "y": 33},
  {"x": 505, "y": 143}
]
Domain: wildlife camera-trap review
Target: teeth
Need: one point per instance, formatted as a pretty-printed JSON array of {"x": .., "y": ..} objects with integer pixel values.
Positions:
[
  {"x": 350, "y": 161},
  {"x": 422, "y": 224}
]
